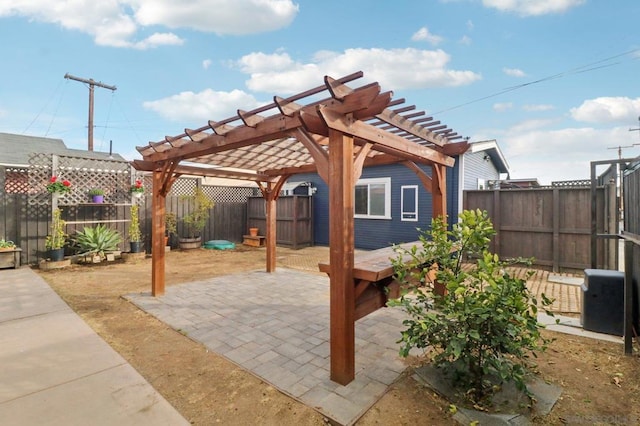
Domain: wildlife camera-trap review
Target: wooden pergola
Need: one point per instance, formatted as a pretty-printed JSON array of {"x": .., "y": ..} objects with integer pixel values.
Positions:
[{"x": 338, "y": 131}]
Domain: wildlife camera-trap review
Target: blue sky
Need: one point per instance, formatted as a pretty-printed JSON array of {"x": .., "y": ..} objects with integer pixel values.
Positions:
[{"x": 555, "y": 82}]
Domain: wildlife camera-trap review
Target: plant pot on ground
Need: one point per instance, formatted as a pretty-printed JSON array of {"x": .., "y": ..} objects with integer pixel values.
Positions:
[
  {"x": 55, "y": 241},
  {"x": 170, "y": 227},
  {"x": 196, "y": 220}
]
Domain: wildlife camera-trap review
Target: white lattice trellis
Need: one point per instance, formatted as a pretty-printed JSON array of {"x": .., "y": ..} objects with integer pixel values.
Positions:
[{"x": 114, "y": 177}]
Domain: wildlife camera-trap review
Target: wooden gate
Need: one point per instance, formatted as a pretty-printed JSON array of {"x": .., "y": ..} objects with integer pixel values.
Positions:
[{"x": 294, "y": 221}]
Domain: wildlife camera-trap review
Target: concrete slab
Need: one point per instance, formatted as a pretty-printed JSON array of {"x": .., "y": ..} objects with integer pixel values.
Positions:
[
  {"x": 564, "y": 279},
  {"x": 276, "y": 325},
  {"x": 568, "y": 325},
  {"x": 57, "y": 371}
]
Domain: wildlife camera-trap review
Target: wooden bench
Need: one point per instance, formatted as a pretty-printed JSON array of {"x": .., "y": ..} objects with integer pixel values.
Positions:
[
  {"x": 253, "y": 240},
  {"x": 373, "y": 278}
]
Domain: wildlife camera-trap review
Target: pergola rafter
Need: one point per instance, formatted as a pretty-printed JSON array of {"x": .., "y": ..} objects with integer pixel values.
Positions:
[{"x": 348, "y": 129}]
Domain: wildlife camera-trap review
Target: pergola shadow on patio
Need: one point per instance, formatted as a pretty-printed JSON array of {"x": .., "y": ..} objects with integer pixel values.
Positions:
[
  {"x": 336, "y": 133},
  {"x": 260, "y": 322}
]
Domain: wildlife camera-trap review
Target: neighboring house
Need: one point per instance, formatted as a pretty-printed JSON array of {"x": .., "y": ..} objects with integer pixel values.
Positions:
[
  {"x": 391, "y": 202},
  {"x": 16, "y": 150}
]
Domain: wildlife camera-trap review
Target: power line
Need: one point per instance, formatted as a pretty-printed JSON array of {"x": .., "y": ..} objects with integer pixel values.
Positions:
[{"x": 577, "y": 70}]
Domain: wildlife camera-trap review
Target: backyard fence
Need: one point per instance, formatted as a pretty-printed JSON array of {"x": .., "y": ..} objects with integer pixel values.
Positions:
[
  {"x": 552, "y": 225},
  {"x": 26, "y": 207}
]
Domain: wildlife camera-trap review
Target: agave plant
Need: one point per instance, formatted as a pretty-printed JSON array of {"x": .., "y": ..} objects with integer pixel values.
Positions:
[{"x": 97, "y": 240}]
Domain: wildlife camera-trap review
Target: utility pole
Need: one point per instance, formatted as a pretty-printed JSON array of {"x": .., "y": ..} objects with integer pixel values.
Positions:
[
  {"x": 636, "y": 130},
  {"x": 92, "y": 83}
]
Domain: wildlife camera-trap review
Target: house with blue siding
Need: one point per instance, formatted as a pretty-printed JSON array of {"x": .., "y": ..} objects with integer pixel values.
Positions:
[{"x": 390, "y": 201}]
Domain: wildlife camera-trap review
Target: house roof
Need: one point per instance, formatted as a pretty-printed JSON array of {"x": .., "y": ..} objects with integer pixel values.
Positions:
[
  {"x": 492, "y": 149},
  {"x": 16, "y": 149},
  {"x": 288, "y": 137}
]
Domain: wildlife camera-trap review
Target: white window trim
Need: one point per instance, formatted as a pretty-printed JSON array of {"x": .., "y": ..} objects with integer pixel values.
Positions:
[
  {"x": 387, "y": 197},
  {"x": 403, "y": 212}
]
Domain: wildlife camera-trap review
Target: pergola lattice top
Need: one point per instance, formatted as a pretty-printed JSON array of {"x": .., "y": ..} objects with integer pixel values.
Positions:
[{"x": 293, "y": 138}]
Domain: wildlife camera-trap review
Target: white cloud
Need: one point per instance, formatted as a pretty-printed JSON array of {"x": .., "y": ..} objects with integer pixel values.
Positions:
[
  {"x": 533, "y": 7},
  {"x": 206, "y": 64},
  {"x": 118, "y": 23},
  {"x": 608, "y": 110},
  {"x": 423, "y": 34},
  {"x": 466, "y": 40},
  {"x": 501, "y": 107},
  {"x": 392, "y": 68},
  {"x": 514, "y": 72},
  {"x": 535, "y": 151},
  {"x": 203, "y": 106},
  {"x": 236, "y": 17},
  {"x": 538, "y": 107}
]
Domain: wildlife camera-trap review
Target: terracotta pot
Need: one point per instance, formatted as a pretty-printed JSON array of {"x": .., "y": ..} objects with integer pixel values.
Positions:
[{"x": 253, "y": 232}]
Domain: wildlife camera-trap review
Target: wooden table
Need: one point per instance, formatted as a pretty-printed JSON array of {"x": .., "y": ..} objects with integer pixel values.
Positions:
[{"x": 373, "y": 278}]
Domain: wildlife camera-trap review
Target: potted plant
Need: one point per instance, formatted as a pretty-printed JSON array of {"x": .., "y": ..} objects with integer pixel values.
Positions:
[
  {"x": 97, "y": 195},
  {"x": 170, "y": 226},
  {"x": 55, "y": 241},
  {"x": 97, "y": 241},
  {"x": 6, "y": 245},
  {"x": 196, "y": 220},
  {"x": 58, "y": 187},
  {"x": 9, "y": 254},
  {"x": 137, "y": 189},
  {"x": 135, "y": 236}
]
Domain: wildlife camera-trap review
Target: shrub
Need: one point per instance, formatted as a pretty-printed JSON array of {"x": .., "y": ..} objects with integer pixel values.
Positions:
[
  {"x": 57, "y": 238},
  {"x": 197, "y": 219},
  {"x": 134, "y": 226},
  {"x": 485, "y": 326},
  {"x": 97, "y": 240},
  {"x": 96, "y": 191}
]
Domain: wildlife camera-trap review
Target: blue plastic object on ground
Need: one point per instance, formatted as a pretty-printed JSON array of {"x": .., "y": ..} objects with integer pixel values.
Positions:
[{"x": 219, "y": 245}]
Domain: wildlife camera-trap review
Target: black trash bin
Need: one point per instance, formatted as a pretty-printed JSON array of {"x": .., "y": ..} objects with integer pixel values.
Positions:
[{"x": 603, "y": 301}]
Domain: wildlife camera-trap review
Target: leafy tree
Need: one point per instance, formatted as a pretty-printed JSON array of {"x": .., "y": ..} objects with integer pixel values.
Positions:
[{"x": 484, "y": 326}]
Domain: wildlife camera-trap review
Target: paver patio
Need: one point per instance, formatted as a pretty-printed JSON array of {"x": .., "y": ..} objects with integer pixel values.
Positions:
[{"x": 277, "y": 326}]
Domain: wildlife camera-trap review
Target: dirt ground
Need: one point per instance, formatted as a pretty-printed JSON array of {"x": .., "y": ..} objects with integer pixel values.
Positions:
[{"x": 599, "y": 384}]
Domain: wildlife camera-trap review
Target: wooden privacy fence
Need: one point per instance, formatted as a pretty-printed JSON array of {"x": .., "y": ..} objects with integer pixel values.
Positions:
[
  {"x": 552, "y": 225},
  {"x": 26, "y": 207},
  {"x": 294, "y": 223}
]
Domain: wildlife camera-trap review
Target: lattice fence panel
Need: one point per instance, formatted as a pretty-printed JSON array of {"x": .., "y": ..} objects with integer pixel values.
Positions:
[
  {"x": 229, "y": 194},
  {"x": 16, "y": 180},
  {"x": 114, "y": 177},
  {"x": 182, "y": 187}
]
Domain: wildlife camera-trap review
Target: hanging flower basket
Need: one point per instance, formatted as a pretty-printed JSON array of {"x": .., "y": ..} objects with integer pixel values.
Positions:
[
  {"x": 137, "y": 189},
  {"x": 57, "y": 186}
]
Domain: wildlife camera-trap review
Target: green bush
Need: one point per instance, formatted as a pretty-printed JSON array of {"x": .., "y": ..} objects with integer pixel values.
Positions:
[
  {"x": 485, "y": 326},
  {"x": 196, "y": 221},
  {"x": 97, "y": 240}
]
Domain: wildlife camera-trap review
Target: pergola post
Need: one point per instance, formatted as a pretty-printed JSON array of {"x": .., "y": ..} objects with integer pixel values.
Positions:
[
  {"x": 341, "y": 242},
  {"x": 157, "y": 235},
  {"x": 270, "y": 207},
  {"x": 439, "y": 190}
]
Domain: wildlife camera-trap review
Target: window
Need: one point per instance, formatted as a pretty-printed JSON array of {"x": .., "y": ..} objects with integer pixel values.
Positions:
[
  {"x": 409, "y": 203},
  {"x": 481, "y": 184},
  {"x": 373, "y": 198}
]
